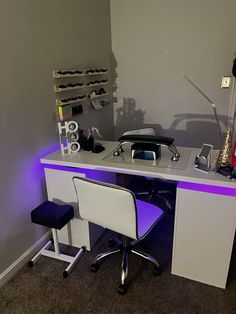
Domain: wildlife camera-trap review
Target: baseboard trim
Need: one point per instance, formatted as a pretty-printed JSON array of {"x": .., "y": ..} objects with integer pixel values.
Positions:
[{"x": 23, "y": 259}]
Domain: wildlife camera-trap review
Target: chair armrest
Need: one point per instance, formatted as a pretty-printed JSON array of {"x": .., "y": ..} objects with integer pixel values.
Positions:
[
  {"x": 161, "y": 140},
  {"x": 153, "y": 139}
]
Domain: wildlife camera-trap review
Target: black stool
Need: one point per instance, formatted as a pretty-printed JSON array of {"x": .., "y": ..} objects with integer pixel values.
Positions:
[{"x": 56, "y": 217}]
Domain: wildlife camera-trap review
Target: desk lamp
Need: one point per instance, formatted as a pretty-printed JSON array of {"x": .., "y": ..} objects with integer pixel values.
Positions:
[
  {"x": 209, "y": 100},
  {"x": 224, "y": 160}
]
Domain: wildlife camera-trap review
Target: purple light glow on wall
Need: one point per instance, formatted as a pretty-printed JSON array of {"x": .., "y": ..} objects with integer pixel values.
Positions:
[
  {"x": 51, "y": 148},
  {"x": 27, "y": 181},
  {"x": 205, "y": 188},
  {"x": 48, "y": 150}
]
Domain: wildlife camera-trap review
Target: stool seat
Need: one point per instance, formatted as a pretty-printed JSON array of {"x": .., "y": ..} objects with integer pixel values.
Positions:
[
  {"x": 52, "y": 215},
  {"x": 55, "y": 216}
]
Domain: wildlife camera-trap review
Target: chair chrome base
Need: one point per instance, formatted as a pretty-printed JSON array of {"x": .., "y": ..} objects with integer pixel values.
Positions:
[
  {"x": 125, "y": 249},
  {"x": 148, "y": 196},
  {"x": 163, "y": 195}
]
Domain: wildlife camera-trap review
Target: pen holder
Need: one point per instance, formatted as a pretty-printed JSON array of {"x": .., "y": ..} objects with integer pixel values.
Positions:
[{"x": 85, "y": 143}]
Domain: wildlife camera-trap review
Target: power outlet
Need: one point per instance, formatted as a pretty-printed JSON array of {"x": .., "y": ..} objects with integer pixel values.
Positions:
[{"x": 225, "y": 82}]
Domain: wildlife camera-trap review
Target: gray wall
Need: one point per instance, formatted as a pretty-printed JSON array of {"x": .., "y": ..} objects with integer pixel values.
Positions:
[
  {"x": 154, "y": 41},
  {"x": 37, "y": 37}
]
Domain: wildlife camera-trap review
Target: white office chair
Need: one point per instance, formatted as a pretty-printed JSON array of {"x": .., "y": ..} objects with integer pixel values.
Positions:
[{"x": 117, "y": 209}]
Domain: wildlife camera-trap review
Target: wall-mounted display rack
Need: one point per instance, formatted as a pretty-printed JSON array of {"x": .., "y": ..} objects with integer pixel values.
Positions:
[
  {"x": 68, "y": 101},
  {"x": 96, "y": 83},
  {"x": 97, "y": 93},
  {"x": 67, "y": 73},
  {"x": 66, "y": 106},
  {"x": 97, "y": 96},
  {"x": 66, "y": 87},
  {"x": 76, "y": 73},
  {"x": 95, "y": 72}
]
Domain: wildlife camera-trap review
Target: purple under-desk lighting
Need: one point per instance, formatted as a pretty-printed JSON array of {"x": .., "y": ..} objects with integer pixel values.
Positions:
[
  {"x": 205, "y": 188},
  {"x": 64, "y": 168},
  {"x": 89, "y": 173}
]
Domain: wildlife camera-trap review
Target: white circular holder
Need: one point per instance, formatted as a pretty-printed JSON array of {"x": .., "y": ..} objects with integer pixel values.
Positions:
[{"x": 68, "y": 136}]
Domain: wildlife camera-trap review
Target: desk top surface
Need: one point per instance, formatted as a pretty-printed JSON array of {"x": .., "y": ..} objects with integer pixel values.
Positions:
[{"x": 187, "y": 171}]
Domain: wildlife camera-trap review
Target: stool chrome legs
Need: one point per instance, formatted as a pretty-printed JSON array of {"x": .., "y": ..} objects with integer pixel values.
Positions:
[
  {"x": 73, "y": 263},
  {"x": 38, "y": 255},
  {"x": 72, "y": 260}
]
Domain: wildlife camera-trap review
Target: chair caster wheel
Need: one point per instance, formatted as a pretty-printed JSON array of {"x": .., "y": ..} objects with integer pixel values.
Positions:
[
  {"x": 156, "y": 270},
  {"x": 94, "y": 267},
  {"x": 65, "y": 274},
  {"x": 30, "y": 264},
  {"x": 122, "y": 289}
]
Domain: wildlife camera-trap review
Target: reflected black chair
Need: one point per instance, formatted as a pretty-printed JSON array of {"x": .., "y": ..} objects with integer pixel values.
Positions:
[{"x": 161, "y": 192}]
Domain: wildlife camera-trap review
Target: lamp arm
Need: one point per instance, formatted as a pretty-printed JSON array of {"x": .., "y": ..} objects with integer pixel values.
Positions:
[
  {"x": 218, "y": 123},
  {"x": 209, "y": 100}
]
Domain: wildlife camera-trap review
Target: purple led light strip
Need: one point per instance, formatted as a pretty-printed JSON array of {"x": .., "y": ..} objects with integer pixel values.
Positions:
[
  {"x": 89, "y": 173},
  {"x": 64, "y": 168},
  {"x": 213, "y": 189}
]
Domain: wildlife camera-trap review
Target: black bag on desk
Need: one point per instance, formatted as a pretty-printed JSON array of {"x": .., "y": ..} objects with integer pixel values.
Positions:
[{"x": 85, "y": 143}]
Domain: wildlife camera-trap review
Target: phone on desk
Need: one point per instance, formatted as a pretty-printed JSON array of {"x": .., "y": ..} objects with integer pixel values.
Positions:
[
  {"x": 205, "y": 150},
  {"x": 202, "y": 160}
]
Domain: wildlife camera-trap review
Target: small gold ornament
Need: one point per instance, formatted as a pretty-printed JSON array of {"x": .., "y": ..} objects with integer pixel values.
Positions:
[{"x": 226, "y": 151}]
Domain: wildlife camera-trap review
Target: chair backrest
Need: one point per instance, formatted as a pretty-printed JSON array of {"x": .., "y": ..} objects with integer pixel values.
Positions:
[{"x": 107, "y": 205}]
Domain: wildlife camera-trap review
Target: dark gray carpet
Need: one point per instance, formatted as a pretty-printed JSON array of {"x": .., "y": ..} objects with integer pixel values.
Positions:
[{"x": 42, "y": 289}]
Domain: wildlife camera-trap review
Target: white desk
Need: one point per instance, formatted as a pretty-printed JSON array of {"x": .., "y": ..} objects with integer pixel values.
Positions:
[{"x": 205, "y": 217}]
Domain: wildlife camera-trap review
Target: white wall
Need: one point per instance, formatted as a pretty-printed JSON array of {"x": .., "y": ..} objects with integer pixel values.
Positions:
[
  {"x": 37, "y": 37},
  {"x": 154, "y": 41}
]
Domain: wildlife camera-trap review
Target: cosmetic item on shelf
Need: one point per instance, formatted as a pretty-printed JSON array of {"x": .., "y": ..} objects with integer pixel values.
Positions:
[
  {"x": 67, "y": 112},
  {"x": 64, "y": 113},
  {"x": 96, "y": 104},
  {"x": 101, "y": 91},
  {"x": 77, "y": 110},
  {"x": 71, "y": 99}
]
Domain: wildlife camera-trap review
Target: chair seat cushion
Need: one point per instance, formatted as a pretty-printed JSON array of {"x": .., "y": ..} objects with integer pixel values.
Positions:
[
  {"x": 148, "y": 215},
  {"x": 51, "y": 215}
]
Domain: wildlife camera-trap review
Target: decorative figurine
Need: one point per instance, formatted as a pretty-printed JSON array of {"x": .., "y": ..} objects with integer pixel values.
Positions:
[
  {"x": 69, "y": 136},
  {"x": 226, "y": 151}
]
